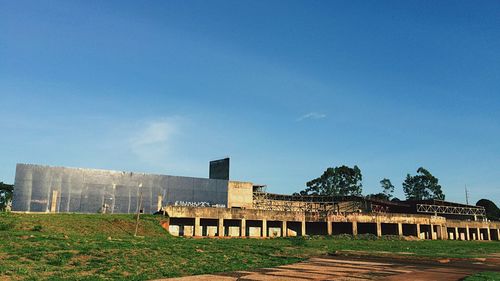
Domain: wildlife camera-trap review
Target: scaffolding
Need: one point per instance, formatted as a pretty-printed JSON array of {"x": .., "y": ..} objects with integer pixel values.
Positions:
[
  {"x": 309, "y": 204},
  {"x": 462, "y": 210}
]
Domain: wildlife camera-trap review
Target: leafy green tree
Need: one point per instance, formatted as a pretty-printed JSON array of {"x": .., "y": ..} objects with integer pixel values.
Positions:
[
  {"x": 422, "y": 186},
  {"x": 387, "y": 190},
  {"x": 5, "y": 195},
  {"x": 338, "y": 181},
  {"x": 492, "y": 211}
]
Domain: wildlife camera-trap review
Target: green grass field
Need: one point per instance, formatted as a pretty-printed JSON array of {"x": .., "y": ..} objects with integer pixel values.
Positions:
[
  {"x": 102, "y": 247},
  {"x": 484, "y": 276}
]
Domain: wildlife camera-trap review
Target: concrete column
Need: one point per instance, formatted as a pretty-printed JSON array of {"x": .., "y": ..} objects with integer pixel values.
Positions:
[
  {"x": 264, "y": 228},
  {"x": 243, "y": 228},
  {"x": 498, "y": 234},
  {"x": 284, "y": 229},
  {"x": 303, "y": 228},
  {"x": 220, "y": 230},
  {"x": 418, "y": 230},
  {"x": 354, "y": 228},
  {"x": 379, "y": 229},
  {"x": 400, "y": 229},
  {"x": 439, "y": 233},
  {"x": 478, "y": 236},
  {"x": 444, "y": 231},
  {"x": 53, "y": 203},
  {"x": 456, "y": 234},
  {"x": 158, "y": 202},
  {"x": 433, "y": 234},
  {"x": 467, "y": 235},
  {"x": 329, "y": 227},
  {"x": 197, "y": 228},
  {"x": 488, "y": 234}
]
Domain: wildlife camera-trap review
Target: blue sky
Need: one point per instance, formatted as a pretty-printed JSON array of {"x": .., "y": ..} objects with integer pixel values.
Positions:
[{"x": 285, "y": 88}]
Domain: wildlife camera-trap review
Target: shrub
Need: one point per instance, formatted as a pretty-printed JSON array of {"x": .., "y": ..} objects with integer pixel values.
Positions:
[
  {"x": 37, "y": 228},
  {"x": 6, "y": 226},
  {"x": 367, "y": 236},
  {"x": 298, "y": 241},
  {"x": 343, "y": 237}
]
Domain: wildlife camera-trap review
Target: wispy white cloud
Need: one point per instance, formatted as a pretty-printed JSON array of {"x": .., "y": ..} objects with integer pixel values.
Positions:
[
  {"x": 153, "y": 142},
  {"x": 312, "y": 115}
]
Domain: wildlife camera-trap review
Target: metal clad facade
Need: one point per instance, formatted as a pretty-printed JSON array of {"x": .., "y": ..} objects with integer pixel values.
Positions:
[{"x": 59, "y": 189}]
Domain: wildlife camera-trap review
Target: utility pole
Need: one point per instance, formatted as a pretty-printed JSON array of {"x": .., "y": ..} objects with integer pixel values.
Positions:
[
  {"x": 466, "y": 196},
  {"x": 138, "y": 210}
]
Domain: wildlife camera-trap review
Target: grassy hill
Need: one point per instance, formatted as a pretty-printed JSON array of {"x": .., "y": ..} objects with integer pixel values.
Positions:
[{"x": 102, "y": 247}]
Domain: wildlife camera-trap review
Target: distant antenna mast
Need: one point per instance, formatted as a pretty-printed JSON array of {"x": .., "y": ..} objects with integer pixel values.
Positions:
[{"x": 466, "y": 195}]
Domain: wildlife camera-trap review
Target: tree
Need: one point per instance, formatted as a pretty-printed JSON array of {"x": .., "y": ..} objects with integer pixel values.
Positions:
[
  {"x": 422, "y": 186},
  {"x": 492, "y": 211},
  {"x": 338, "y": 181},
  {"x": 5, "y": 195},
  {"x": 387, "y": 190}
]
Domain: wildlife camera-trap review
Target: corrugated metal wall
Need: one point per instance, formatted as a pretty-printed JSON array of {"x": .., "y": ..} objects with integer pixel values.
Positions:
[{"x": 43, "y": 189}]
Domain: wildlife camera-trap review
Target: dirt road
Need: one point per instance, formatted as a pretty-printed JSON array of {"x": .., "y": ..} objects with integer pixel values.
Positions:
[{"x": 360, "y": 268}]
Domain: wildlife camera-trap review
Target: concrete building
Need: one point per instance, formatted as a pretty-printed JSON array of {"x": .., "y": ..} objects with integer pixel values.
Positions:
[
  {"x": 217, "y": 206},
  {"x": 61, "y": 189}
]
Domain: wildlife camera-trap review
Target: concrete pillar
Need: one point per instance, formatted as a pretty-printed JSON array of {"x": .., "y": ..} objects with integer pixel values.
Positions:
[
  {"x": 220, "y": 230},
  {"x": 264, "y": 228},
  {"x": 433, "y": 234},
  {"x": 498, "y": 234},
  {"x": 284, "y": 229},
  {"x": 444, "y": 231},
  {"x": 354, "y": 228},
  {"x": 418, "y": 230},
  {"x": 456, "y": 234},
  {"x": 438, "y": 233},
  {"x": 303, "y": 228},
  {"x": 158, "y": 202},
  {"x": 197, "y": 228},
  {"x": 53, "y": 203},
  {"x": 488, "y": 234},
  {"x": 467, "y": 234},
  {"x": 243, "y": 228},
  {"x": 478, "y": 237},
  {"x": 400, "y": 229},
  {"x": 329, "y": 227},
  {"x": 379, "y": 229}
]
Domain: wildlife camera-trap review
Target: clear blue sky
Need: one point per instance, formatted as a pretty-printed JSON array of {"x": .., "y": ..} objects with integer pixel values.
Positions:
[{"x": 285, "y": 88}]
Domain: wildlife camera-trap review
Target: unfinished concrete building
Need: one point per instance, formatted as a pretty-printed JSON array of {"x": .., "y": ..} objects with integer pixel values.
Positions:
[{"x": 219, "y": 207}]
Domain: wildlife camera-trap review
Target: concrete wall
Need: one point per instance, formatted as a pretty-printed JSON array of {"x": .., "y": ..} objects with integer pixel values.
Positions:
[
  {"x": 240, "y": 195},
  {"x": 264, "y": 223},
  {"x": 59, "y": 189}
]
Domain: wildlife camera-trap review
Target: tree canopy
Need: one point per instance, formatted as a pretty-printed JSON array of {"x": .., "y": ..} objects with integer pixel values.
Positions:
[
  {"x": 492, "y": 211},
  {"x": 387, "y": 190},
  {"x": 422, "y": 186},
  {"x": 338, "y": 181},
  {"x": 5, "y": 194}
]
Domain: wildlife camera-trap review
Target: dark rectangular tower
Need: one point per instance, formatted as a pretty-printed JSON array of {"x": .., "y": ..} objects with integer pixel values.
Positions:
[{"x": 219, "y": 169}]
